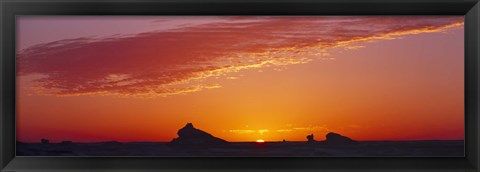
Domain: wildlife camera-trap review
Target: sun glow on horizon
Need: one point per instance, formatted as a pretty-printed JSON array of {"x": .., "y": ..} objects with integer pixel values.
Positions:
[{"x": 260, "y": 141}]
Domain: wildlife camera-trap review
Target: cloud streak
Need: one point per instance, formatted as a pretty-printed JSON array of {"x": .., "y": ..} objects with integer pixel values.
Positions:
[
  {"x": 180, "y": 60},
  {"x": 287, "y": 129}
]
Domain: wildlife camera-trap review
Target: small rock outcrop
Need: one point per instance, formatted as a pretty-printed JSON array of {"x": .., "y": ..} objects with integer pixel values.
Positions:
[
  {"x": 337, "y": 139},
  {"x": 189, "y": 135},
  {"x": 44, "y": 141},
  {"x": 310, "y": 139}
]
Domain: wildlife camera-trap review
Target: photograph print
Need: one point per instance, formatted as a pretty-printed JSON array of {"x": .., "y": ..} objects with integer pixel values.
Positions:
[{"x": 240, "y": 86}]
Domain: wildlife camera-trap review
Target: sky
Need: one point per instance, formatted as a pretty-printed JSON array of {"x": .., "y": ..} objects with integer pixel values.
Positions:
[{"x": 240, "y": 78}]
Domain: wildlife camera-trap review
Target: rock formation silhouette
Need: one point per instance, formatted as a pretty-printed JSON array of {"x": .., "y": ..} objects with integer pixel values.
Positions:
[
  {"x": 310, "y": 139},
  {"x": 189, "y": 135},
  {"x": 44, "y": 141},
  {"x": 336, "y": 139}
]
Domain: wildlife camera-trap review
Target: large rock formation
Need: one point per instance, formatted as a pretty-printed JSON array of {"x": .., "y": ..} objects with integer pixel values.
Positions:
[
  {"x": 337, "y": 139},
  {"x": 189, "y": 135}
]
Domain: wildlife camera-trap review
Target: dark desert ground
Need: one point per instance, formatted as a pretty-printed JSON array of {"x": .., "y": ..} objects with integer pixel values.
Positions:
[{"x": 195, "y": 142}]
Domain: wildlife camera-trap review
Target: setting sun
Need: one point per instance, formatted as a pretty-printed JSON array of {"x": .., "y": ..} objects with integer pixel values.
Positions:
[{"x": 260, "y": 141}]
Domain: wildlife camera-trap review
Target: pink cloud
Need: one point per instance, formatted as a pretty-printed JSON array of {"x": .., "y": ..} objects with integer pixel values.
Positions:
[{"x": 178, "y": 61}]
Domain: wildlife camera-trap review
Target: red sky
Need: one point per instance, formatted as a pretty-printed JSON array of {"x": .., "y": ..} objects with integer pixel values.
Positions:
[{"x": 101, "y": 78}]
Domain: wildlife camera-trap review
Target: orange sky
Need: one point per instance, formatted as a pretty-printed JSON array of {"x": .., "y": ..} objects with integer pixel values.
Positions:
[{"x": 240, "y": 78}]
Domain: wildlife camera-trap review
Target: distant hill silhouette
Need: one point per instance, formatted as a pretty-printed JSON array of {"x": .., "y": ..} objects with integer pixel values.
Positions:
[{"x": 191, "y": 136}]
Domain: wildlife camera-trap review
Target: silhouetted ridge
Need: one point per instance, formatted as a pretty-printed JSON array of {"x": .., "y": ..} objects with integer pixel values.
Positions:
[
  {"x": 334, "y": 138},
  {"x": 189, "y": 135}
]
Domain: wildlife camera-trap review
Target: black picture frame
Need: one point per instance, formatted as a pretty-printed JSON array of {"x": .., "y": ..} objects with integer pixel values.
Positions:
[{"x": 11, "y": 8}]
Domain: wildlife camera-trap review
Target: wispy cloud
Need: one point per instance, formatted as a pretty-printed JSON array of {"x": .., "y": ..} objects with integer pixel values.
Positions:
[
  {"x": 179, "y": 61},
  {"x": 286, "y": 129},
  {"x": 241, "y": 131}
]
